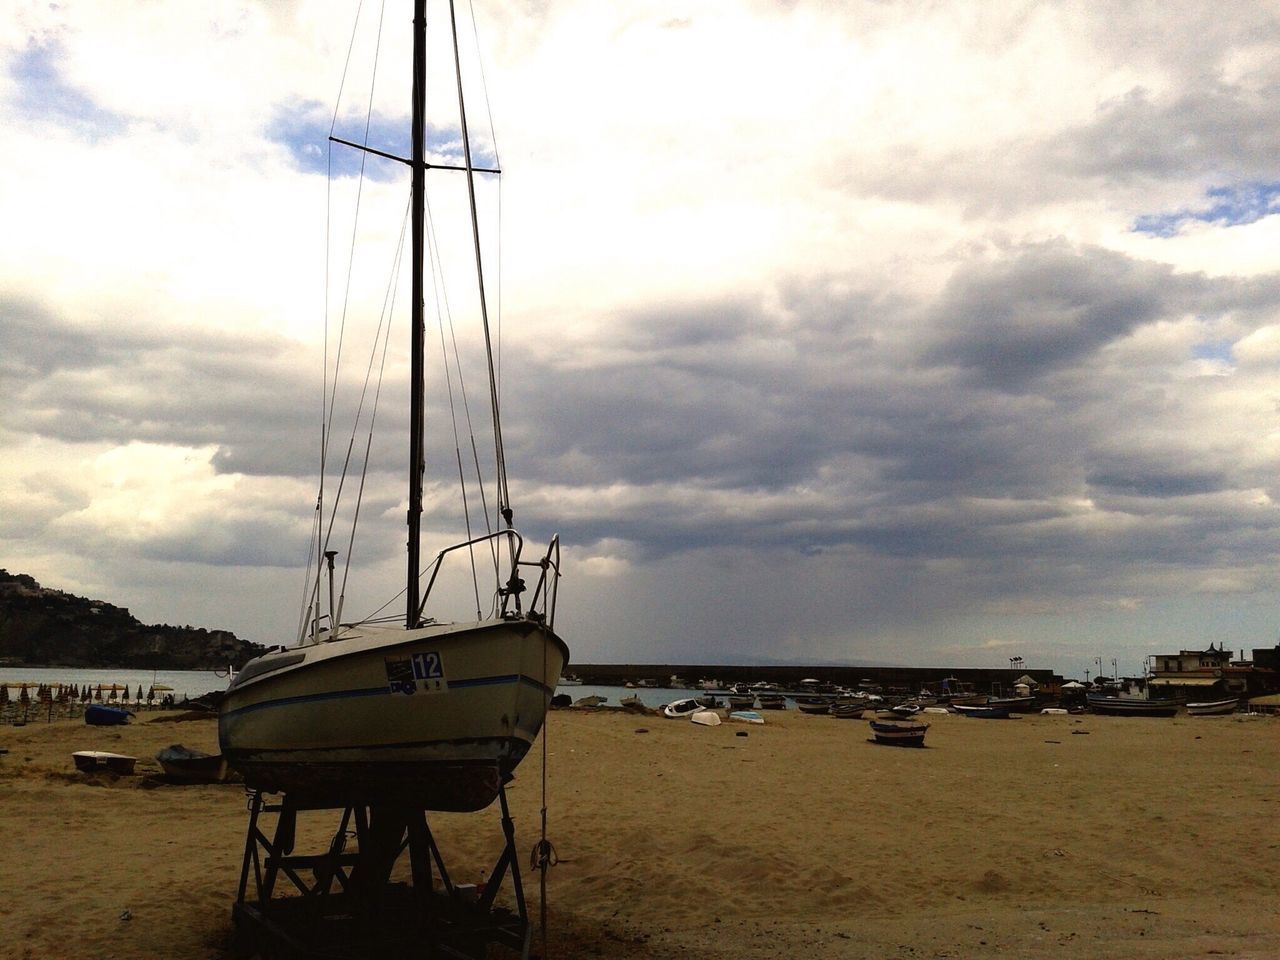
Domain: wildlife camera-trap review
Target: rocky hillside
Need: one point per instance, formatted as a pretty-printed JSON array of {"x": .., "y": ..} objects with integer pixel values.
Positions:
[{"x": 39, "y": 627}]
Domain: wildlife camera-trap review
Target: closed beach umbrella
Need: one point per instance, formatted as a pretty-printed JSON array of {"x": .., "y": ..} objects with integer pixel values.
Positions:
[
  {"x": 151, "y": 694},
  {"x": 4, "y": 694},
  {"x": 138, "y": 698},
  {"x": 97, "y": 694}
]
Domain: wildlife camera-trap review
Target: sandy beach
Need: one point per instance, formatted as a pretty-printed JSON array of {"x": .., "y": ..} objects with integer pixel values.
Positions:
[{"x": 1075, "y": 837}]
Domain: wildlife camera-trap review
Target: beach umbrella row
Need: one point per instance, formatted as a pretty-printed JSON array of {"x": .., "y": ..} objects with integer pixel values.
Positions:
[{"x": 84, "y": 693}]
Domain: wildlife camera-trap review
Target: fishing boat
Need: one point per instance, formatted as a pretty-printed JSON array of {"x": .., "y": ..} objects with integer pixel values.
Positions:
[
  {"x": 772, "y": 701},
  {"x": 1133, "y": 706},
  {"x": 742, "y": 701},
  {"x": 902, "y": 733},
  {"x": 813, "y": 704},
  {"x": 1213, "y": 708},
  {"x": 427, "y": 710}
]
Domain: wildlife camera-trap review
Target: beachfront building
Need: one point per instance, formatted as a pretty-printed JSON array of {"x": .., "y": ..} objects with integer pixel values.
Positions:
[
  {"x": 1195, "y": 674},
  {"x": 1215, "y": 673}
]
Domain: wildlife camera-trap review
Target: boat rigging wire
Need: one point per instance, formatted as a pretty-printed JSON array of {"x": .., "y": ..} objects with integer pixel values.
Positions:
[
  {"x": 497, "y": 163},
  {"x": 504, "y": 499},
  {"x": 329, "y": 392},
  {"x": 326, "y": 513},
  {"x": 384, "y": 328}
]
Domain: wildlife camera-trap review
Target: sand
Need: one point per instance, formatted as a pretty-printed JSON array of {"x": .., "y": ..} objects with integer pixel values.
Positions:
[{"x": 1076, "y": 837}]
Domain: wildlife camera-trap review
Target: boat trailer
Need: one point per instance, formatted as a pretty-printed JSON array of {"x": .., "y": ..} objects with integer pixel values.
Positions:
[{"x": 344, "y": 904}]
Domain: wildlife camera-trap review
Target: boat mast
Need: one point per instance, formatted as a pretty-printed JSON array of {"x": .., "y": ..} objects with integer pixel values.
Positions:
[{"x": 417, "y": 387}]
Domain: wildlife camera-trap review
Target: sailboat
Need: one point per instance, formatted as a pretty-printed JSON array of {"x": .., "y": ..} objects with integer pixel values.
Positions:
[{"x": 428, "y": 714}]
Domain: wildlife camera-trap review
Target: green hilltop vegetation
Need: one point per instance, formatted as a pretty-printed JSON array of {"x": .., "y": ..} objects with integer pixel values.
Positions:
[{"x": 44, "y": 627}]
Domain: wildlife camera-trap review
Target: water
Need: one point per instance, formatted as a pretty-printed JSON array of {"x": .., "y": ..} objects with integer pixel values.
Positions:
[{"x": 185, "y": 683}]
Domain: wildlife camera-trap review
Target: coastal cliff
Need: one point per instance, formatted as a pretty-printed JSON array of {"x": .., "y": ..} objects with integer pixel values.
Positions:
[{"x": 44, "y": 627}]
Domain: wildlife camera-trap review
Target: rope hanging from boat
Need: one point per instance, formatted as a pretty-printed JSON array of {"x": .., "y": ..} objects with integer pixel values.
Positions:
[{"x": 543, "y": 856}]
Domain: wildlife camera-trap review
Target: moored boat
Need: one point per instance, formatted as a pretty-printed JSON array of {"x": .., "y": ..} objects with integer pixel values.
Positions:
[
  {"x": 742, "y": 701},
  {"x": 902, "y": 733},
  {"x": 772, "y": 701},
  {"x": 1213, "y": 708}
]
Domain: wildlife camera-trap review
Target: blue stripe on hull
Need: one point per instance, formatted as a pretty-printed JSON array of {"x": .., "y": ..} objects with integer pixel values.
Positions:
[{"x": 379, "y": 691}]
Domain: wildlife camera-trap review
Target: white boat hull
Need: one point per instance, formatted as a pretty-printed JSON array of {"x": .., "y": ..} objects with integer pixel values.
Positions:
[
  {"x": 436, "y": 717},
  {"x": 1214, "y": 708}
]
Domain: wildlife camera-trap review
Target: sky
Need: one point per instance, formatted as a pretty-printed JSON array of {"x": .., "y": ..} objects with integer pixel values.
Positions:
[{"x": 925, "y": 333}]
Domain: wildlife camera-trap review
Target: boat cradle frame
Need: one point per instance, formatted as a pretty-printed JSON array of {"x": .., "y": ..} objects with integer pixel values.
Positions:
[{"x": 342, "y": 904}]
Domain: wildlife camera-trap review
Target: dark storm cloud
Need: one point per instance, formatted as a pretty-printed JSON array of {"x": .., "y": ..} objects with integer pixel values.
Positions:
[
  {"x": 971, "y": 427},
  {"x": 1044, "y": 309},
  {"x": 1210, "y": 128}
]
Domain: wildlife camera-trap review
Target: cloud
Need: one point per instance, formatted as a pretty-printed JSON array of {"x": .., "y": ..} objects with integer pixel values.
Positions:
[{"x": 872, "y": 332}]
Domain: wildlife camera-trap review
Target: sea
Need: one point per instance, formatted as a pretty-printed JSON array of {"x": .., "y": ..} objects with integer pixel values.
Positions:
[{"x": 195, "y": 683}]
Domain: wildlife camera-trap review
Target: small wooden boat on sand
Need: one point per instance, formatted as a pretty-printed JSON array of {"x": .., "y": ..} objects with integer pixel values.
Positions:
[
  {"x": 1133, "y": 706},
  {"x": 90, "y": 760},
  {"x": 746, "y": 716},
  {"x": 706, "y": 718},
  {"x": 192, "y": 766},
  {"x": 813, "y": 704},
  {"x": 1213, "y": 708},
  {"x": 900, "y": 733},
  {"x": 847, "y": 711}
]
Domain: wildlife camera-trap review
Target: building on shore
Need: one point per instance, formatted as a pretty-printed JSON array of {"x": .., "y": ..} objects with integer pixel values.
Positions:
[{"x": 1215, "y": 673}]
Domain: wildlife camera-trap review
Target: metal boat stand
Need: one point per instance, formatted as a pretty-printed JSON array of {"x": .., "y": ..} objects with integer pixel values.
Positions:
[{"x": 342, "y": 904}]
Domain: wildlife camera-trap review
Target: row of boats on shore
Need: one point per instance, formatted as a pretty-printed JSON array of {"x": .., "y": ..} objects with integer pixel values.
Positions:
[
  {"x": 898, "y": 723},
  {"x": 854, "y": 705}
]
